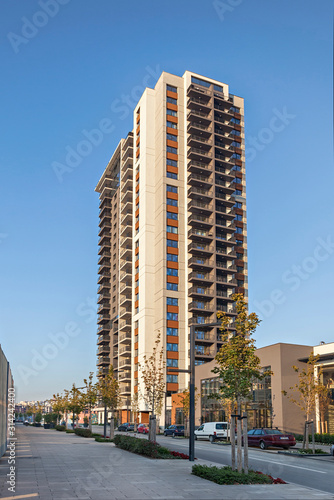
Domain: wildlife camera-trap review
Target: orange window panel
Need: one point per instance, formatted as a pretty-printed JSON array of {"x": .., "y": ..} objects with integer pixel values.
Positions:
[
  {"x": 172, "y": 355},
  {"x": 172, "y": 131},
  {"x": 137, "y": 176},
  {"x": 171, "y": 94},
  {"x": 135, "y": 389},
  {"x": 172, "y": 324},
  {"x": 172, "y": 387},
  {"x": 136, "y": 345},
  {"x": 172, "y": 222},
  {"x": 172, "y": 236},
  {"x": 173, "y": 309},
  {"x": 136, "y": 290},
  {"x": 172, "y": 279},
  {"x": 172, "y": 144},
  {"x": 137, "y": 212},
  {"x": 137, "y": 152},
  {"x": 135, "y": 374},
  {"x": 172, "y": 156},
  {"x": 171, "y": 118},
  {"x": 171, "y": 106},
  {"x": 137, "y": 188},
  {"x": 173, "y": 250},
  {"x": 138, "y": 118},
  {"x": 171, "y": 208},
  {"x": 138, "y": 141},
  {"x": 137, "y": 263},
  {"x": 172, "y": 265},
  {"x": 172, "y": 339},
  {"x": 136, "y": 332},
  {"x": 137, "y": 304},
  {"x": 172, "y": 196},
  {"x": 136, "y": 360},
  {"x": 237, "y": 115},
  {"x": 175, "y": 170},
  {"x": 137, "y": 250},
  {"x": 137, "y": 130}
]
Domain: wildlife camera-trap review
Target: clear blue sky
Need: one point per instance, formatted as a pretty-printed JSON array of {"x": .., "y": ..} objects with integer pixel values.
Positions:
[{"x": 71, "y": 72}]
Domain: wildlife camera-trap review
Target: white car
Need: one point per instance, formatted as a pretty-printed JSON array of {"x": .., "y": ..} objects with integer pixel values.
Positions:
[{"x": 213, "y": 431}]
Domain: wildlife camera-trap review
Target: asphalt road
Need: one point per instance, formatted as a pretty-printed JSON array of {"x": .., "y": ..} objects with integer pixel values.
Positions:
[{"x": 314, "y": 473}]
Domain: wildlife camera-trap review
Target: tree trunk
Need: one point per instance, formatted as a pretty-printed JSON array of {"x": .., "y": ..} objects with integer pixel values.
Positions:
[
  {"x": 307, "y": 436},
  {"x": 233, "y": 442},
  {"x": 245, "y": 443},
  {"x": 304, "y": 437},
  {"x": 90, "y": 420},
  {"x": 313, "y": 444},
  {"x": 239, "y": 438},
  {"x": 112, "y": 427},
  {"x": 152, "y": 429}
]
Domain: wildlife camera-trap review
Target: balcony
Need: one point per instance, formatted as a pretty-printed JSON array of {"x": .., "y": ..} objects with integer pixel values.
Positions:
[
  {"x": 199, "y": 128},
  {"x": 200, "y": 234},
  {"x": 105, "y": 225},
  {"x": 104, "y": 280},
  {"x": 125, "y": 325},
  {"x": 199, "y": 141},
  {"x": 125, "y": 338},
  {"x": 199, "y": 102},
  {"x": 200, "y": 262},
  {"x": 204, "y": 337},
  {"x": 201, "y": 321},
  {"x": 200, "y": 277},
  {"x": 103, "y": 318},
  {"x": 228, "y": 266},
  {"x": 103, "y": 361},
  {"x": 226, "y": 224},
  {"x": 204, "y": 292},
  {"x": 103, "y": 339},
  {"x": 105, "y": 240},
  {"x": 200, "y": 248},
  {"x": 202, "y": 194},
  {"x": 102, "y": 371},
  {"x": 200, "y": 205},
  {"x": 126, "y": 231},
  {"x": 126, "y": 218},
  {"x": 125, "y": 251},
  {"x": 126, "y": 288},
  {"x": 125, "y": 264},
  {"x": 125, "y": 300},
  {"x": 105, "y": 266},
  {"x": 226, "y": 251},
  {"x": 125, "y": 362},
  {"x": 127, "y": 196},
  {"x": 203, "y": 307},
  {"x": 124, "y": 376},
  {"x": 103, "y": 349},
  {"x": 126, "y": 389},
  {"x": 200, "y": 167},
  {"x": 126, "y": 184},
  {"x": 203, "y": 116},
  {"x": 125, "y": 312},
  {"x": 198, "y": 90},
  {"x": 201, "y": 155},
  {"x": 199, "y": 220},
  {"x": 103, "y": 297},
  {"x": 104, "y": 307},
  {"x": 204, "y": 353},
  {"x": 225, "y": 294},
  {"x": 125, "y": 242},
  {"x": 226, "y": 280},
  {"x": 125, "y": 350},
  {"x": 105, "y": 255},
  {"x": 103, "y": 328},
  {"x": 199, "y": 180}
]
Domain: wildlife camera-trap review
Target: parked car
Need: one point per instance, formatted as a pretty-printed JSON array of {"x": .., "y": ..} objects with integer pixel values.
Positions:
[
  {"x": 332, "y": 450},
  {"x": 142, "y": 429},
  {"x": 214, "y": 431},
  {"x": 270, "y": 437},
  {"x": 126, "y": 427},
  {"x": 174, "y": 430}
]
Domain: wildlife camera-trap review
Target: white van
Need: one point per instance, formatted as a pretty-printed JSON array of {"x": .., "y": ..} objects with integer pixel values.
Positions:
[{"x": 212, "y": 431}]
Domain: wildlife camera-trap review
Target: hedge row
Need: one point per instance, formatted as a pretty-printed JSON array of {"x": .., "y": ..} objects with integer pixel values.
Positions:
[
  {"x": 225, "y": 475},
  {"x": 61, "y": 428},
  {"x": 83, "y": 432},
  {"x": 318, "y": 438},
  {"x": 142, "y": 447}
]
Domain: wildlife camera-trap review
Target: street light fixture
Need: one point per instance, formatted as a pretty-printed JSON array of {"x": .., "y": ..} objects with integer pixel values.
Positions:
[{"x": 191, "y": 371}]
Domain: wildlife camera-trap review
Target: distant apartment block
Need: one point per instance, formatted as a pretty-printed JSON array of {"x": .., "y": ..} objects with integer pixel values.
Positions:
[{"x": 173, "y": 236}]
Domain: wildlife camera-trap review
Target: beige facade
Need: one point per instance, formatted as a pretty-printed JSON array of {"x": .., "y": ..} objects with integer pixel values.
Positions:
[
  {"x": 176, "y": 204},
  {"x": 280, "y": 358}
]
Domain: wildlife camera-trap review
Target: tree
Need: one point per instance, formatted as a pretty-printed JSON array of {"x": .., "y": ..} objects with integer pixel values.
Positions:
[
  {"x": 90, "y": 396},
  {"x": 309, "y": 391},
  {"x": 152, "y": 373},
  {"x": 108, "y": 389},
  {"x": 75, "y": 402},
  {"x": 238, "y": 364},
  {"x": 58, "y": 405},
  {"x": 185, "y": 402},
  {"x": 135, "y": 408}
]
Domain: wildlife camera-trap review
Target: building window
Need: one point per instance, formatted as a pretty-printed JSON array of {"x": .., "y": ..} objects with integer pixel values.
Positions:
[
  {"x": 172, "y": 272},
  {"x": 171, "y": 137},
  {"x": 237, "y": 180},
  {"x": 235, "y": 120},
  {"x": 173, "y": 362},
  {"x": 238, "y": 243},
  {"x": 171, "y": 112},
  {"x": 171, "y": 150},
  {"x": 172, "y": 163},
  {"x": 171, "y": 202},
  {"x": 238, "y": 217},
  {"x": 172, "y": 243},
  {"x": 172, "y": 347},
  {"x": 171, "y": 189},
  {"x": 200, "y": 82},
  {"x": 171, "y": 88},
  {"x": 238, "y": 192},
  {"x": 172, "y": 286},
  {"x": 172, "y": 229},
  {"x": 171, "y": 301},
  {"x": 171, "y": 100},
  {"x": 172, "y": 215},
  {"x": 173, "y": 331},
  {"x": 172, "y": 379},
  {"x": 172, "y": 257},
  {"x": 237, "y": 205},
  {"x": 238, "y": 230},
  {"x": 172, "y": 316},
  {"x": 171, "y": 175},
  {"x": 171, "y": 124}
]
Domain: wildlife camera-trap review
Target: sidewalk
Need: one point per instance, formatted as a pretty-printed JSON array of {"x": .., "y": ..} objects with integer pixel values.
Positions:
[{"x": 53, "y": 465}]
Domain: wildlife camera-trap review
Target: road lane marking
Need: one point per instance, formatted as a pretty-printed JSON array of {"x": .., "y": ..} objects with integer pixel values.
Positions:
[{"x": 285, "y": 465}]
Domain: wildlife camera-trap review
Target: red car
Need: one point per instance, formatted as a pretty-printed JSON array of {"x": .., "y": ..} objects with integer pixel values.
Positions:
[
  {"x": 142, "y": 428},
  {"x": 270, "y": 437}
]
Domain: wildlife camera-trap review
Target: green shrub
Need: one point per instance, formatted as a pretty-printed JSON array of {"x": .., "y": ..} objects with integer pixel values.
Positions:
[
  {"x": 96, "y": 434},
  {"x": 142, "y": 447},
  {"x": 83, "y": 432},
  {"x": 101, "y": 439},
  {"x": 318, "y": 451},
  {"x": 60, "y": 428},
  {"x": 318, "y": 438},
  {"x": 69, "y": 431},
  {"x": 225, "y": 475}
]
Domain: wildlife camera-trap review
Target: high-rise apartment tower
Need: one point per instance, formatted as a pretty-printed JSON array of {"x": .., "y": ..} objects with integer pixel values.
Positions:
[{"x": 173, "y": 237}]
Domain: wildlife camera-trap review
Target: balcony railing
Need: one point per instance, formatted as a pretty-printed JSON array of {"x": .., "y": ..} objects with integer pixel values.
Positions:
[{"x": 200, "y": 276}]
